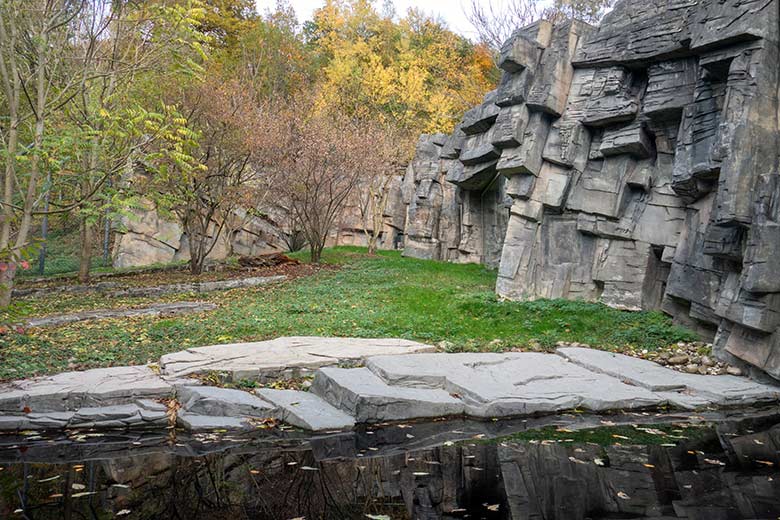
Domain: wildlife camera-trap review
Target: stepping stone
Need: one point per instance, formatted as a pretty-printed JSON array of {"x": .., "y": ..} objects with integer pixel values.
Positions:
[
  {"x": 144, "y": 413},
  {"x": 222, "y": 402},
  {"x": 365, "y": 396},
  {"x": 684, "y": 390},
  {"x": 306, "y": 410},
  {"x": 208, "y": 423},
  {"x": 513, "y": 384},
  {"x": 167, "y": 309},
  {"x": 74, "y": 390},
  {"x": 281, "y": 358}
]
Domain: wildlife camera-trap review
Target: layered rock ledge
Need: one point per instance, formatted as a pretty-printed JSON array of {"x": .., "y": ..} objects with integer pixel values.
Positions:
[
  {"x": 385, "y": 380},
  {"x": 634, "y": 163}
]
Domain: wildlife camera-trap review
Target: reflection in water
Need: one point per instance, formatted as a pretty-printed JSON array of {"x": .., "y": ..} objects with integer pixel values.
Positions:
[{"x": 726, "y": 471}]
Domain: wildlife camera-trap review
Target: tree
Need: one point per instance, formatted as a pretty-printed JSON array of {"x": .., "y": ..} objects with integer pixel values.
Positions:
[
  {"x": 209, "y": 173},
  {"x": 33, "y": 45},
  {"x": 413, "y": 73},
  {"x": 496, "y": 20},
  {"x": 392, "y": 149},
  {"x": 313, "y": 162}
]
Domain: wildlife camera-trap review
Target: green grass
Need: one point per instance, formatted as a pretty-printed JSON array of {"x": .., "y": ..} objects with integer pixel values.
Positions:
[{"x": 383, "y": 296}]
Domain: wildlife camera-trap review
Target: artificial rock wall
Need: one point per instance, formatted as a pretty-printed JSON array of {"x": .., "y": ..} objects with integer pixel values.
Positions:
[{"x": 635, "y": 163}]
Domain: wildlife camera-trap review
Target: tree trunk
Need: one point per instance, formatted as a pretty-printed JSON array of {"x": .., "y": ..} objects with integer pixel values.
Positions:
[
  {"x": 85, "y": 253},
  {"x": 315, "y": 249},
  {"x": 196, "y": 253},
  {"x": 7, "y": 284}
]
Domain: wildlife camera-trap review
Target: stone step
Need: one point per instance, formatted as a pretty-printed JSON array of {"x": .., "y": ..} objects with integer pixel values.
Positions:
[
  {"x": 280, "y": 358},
  {"x": 369, "y": 399},
  {"x": 306, "y": 410},
  {"x": 683, "y": 390},
  {"x": 513, "y": 384},
  {"x": 224, "y": 402}
]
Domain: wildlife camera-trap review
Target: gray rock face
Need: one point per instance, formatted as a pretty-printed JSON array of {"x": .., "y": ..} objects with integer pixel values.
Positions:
[
  {"x": 637, "y": 166},
  {"x": 280, "y": 358}
]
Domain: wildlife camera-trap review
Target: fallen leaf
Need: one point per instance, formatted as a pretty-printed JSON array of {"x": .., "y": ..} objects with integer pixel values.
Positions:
[
  {"x": 623, "y": 496},
  {"x": 494, "y": 507}
]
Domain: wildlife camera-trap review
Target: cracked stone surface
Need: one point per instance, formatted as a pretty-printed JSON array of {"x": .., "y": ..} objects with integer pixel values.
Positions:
[
  {"x": 691, "y": 389},
  {"x": 165, "y": 309},
  {"x": 226, "y": 402},
  {"x": 73, "y": 390},
  {"x": 280, "y": 358},
  {"x": 515, "y": 384}
]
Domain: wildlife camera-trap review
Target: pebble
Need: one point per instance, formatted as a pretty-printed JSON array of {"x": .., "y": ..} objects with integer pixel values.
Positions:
[
  {"x": 707, "y": 361},
  {"x": 692, "y": 369},
  {"x": 679, "y": 360},
  {"x": 734, "y": 371}
]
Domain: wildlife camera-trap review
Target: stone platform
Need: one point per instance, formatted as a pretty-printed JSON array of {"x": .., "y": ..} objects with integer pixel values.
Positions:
[{"x": 357, "y": 381}]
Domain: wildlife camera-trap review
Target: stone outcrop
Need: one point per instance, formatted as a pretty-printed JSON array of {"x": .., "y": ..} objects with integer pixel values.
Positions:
[
  {"x": 359, "y": 382},
  {"x": 634, "y": 163},
  {"x": 146, "y": 238}
]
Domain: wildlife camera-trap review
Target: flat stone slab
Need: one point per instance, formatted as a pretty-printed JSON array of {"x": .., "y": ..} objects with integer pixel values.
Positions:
[
  {"x": 166, "y": 309},
  {"x": 74, "y": 390},
  {"x": 684, "y": 390},
  {"x": 208, "y": 423},
  {"x": 225, "y": 402},
  {"x": 513, "y": 384},
  {"x": 306, "y": 410},
  {"x": 142, "y": 414},
  {"x": 367, "y": 398},
  {"x": 281, "y": 358}
]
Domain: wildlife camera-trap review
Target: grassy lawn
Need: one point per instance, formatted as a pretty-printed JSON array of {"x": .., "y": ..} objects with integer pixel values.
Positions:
[{"x": 383, "y": 296}]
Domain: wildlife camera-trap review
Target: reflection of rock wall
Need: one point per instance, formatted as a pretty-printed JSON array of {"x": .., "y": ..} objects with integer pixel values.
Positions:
[{"x": 641, "y": 159}]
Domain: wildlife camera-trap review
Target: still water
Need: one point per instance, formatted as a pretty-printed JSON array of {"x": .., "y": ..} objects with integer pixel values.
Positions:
[{"x": 698, "y": 466}]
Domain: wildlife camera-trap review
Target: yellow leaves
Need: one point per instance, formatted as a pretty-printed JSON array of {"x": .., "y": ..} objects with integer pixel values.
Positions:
[{"x": 414, "y": 72}]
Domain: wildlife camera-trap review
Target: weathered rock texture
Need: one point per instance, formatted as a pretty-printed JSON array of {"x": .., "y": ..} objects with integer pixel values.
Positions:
[
  {"x": 640, "y": 162},
  {"x": 147, "y": 238},
  {"x": 401, "y": 381}
]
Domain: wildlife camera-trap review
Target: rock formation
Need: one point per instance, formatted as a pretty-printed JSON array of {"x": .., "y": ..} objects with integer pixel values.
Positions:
[{"x": 640, "y": 164}]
